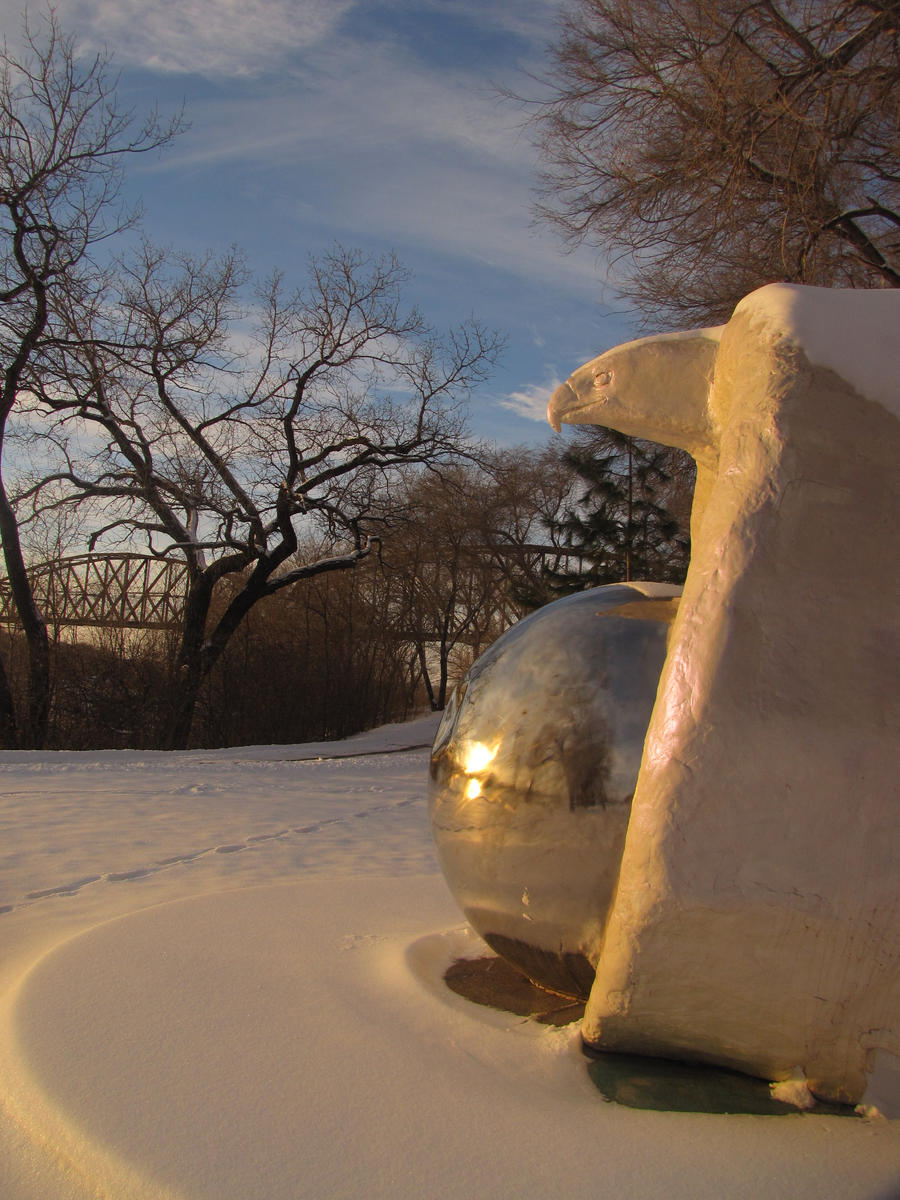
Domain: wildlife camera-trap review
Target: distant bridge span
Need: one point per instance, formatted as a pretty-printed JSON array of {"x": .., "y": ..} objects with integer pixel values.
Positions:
[
  {"x": 138, "y": 591},
  {"x": 128, "y": 591}
]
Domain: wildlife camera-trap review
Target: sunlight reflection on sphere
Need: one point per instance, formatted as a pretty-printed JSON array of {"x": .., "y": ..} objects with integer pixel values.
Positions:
[{"x": 533, "y": 769}]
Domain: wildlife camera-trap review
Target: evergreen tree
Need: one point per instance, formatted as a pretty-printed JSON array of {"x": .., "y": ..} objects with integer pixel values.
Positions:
[{"x": 629, "y": 518}]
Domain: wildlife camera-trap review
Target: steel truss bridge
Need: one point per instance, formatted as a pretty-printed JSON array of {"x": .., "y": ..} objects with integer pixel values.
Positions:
[
  {"x": 128, "y": 591},
  {"x": 138, "y": 591}
]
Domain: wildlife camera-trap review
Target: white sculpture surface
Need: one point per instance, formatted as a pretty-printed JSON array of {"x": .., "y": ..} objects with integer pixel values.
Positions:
[{"x": 757, "y": 918}]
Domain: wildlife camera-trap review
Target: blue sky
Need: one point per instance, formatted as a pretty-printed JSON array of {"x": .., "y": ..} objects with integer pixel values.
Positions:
[{"x": 377, "y": 124}]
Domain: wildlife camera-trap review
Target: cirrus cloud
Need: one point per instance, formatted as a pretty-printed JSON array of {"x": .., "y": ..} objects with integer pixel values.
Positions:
[
  {"x": 204, "y": 37},
  {"x": 531, "y": 401}
]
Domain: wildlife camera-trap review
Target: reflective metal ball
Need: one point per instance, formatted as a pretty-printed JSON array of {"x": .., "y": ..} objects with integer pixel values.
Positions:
[{"x": 533, "y": 769}]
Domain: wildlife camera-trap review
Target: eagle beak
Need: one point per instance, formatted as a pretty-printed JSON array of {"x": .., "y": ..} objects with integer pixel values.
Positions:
[{"x": 562, "y": 401}]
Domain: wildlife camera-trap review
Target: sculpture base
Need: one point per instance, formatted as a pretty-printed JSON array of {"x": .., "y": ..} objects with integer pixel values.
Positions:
[{"x": 661, "y": 1085}]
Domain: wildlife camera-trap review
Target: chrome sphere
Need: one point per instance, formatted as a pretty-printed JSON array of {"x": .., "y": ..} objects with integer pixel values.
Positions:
[{"x": 533, "y": 769}]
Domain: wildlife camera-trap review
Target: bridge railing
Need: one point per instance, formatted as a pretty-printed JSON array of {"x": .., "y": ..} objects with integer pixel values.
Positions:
[
  {"x": 136, "y": 591},
  {"x": 129, "y": 591}
]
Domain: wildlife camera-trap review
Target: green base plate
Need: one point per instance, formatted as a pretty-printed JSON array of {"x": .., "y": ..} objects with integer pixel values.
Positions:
[{"x": 661, "y": 1085}]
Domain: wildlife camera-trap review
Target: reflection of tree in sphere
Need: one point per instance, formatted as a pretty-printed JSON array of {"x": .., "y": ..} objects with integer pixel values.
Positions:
[{"x": 533, "y": 769}]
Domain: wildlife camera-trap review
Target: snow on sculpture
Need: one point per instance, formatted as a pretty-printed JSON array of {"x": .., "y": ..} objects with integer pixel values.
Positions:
[
  {"x": 756, "y": 922},
  {"x": 533, "y": 769}
]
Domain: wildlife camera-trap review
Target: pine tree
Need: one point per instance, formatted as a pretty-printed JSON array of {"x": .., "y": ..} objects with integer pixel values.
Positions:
[{"x": 629, "y": 518}]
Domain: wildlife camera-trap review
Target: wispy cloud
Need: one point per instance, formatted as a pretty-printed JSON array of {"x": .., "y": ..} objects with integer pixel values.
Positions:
[
  {"x": 251, "y": 37},
  {"x": 368, "y": 137},
  {"x": 344, "y": 126},
  {"x": 357, "y": 96},
  {"x": 531, "y": 401},
  {"x": 529, "y": 21},
  {"x": 206, "y": 37},
  {"x": 375, "y": 123}
]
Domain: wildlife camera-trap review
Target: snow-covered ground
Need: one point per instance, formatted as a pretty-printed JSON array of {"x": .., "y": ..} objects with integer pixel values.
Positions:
[{"x": 221, "y": 979}]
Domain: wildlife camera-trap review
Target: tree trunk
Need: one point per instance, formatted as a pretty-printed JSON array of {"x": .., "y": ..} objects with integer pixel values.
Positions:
[
  {"x": 199, "y": 653},
  {"x": 442, "y": 685},
  {"x": 188, "y": 673},
  {"x": 34, "y": 726},
  {"x": 630, "y": 514},
  {"x": 9, "y": 736},
  {"x": 187, "y": 684},
  {"x": 426, "y": 677}
]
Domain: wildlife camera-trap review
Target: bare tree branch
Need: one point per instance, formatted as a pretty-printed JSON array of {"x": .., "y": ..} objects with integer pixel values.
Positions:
[
  {"x": 63, "y": 141},
  {"x": 237, "y": 455},
  {"x": 708, "y": 148}
]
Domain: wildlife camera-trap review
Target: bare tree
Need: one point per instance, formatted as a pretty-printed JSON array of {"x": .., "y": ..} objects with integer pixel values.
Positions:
[
  {"x": 315, "y": 661},
  {"x": 466, "y": 556},
  {"x": 63, "y": 139},
  {"x": 711, "y": 146},
  {"x": 529, "y": 492},
  {"x": 230, "y": 438},
  {"x": 448, "y": 596}
]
